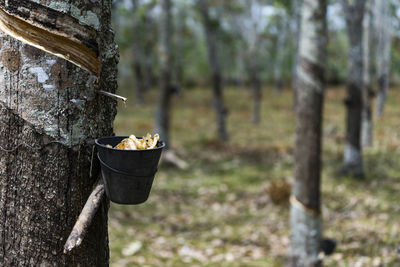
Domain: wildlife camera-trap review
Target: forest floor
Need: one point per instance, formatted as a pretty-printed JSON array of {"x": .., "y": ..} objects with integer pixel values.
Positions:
[{"x": 219, "y": 211}]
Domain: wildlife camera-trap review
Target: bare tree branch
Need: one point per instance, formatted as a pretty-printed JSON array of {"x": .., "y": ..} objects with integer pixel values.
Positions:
[{"x": 85, "y": 218}]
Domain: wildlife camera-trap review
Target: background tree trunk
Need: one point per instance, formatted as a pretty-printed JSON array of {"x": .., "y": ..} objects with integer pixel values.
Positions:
[
  {"x": 280, "y": 53},
  {"x": 367, "y": 126},
  {"x": 163, "y": 113},
  {"x": 150, "y": 77},
  {"x": 179, "y": 47},
  {"x": 296, "y": 23},
  {"x": 305, "y": 219},
  {"x": 44, "y": 98},
  {"x": 255, "y": 83},
  {"x": 137, "y": 58},
  {"x": 353, "y": 163},
  {"x": 211, "y": 32},
  {"x": 150, "y": 44},
  {"x": 383, "y": 33}
]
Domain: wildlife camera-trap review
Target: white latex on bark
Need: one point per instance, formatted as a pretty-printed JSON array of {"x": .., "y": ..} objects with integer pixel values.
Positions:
[{"x": 305, "y": 238}]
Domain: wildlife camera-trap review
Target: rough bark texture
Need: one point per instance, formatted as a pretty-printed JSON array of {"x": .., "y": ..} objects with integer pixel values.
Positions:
[
  {"x": 353, "y": 163},
  {"x": 215, "y": 66},
  {"x": 137, "y": 60},
  {"x": 305, "y": 207},
  {"x": 45, "y": 98},
  {"x": 366, "y": 127},
  {"x": 53, "y": 31},
  {"x": 163, "y": 113},
  {"x": 280, "y": 49},
  {"x": 383, "y": 34}
]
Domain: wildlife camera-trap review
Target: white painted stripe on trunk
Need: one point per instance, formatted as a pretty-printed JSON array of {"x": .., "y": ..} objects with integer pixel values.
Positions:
[{"x": 305, "y": 236}]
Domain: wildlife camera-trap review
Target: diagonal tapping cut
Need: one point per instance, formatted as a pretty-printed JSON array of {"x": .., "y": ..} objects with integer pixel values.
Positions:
[{"x": 74, "y": 42}]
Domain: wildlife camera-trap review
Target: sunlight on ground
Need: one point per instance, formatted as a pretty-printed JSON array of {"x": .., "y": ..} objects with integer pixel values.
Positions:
[{"x": 219, "y": 213}]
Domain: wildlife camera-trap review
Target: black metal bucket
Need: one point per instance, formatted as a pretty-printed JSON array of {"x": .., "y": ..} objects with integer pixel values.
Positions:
[{"x": 128, "y": 174}]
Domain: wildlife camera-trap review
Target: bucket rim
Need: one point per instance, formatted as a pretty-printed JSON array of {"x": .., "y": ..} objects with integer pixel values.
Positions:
[
  {"x": 103, "y": 164},
  {"x": 135, "y": 150}
]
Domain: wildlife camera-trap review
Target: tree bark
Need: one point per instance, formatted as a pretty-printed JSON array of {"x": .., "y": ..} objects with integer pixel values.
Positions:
[
  {"x": 43, "y": 98},
  {"x": 254, "y": 79},
  {"x": 353, "y": 163},
  {"x": 163, "y": 113},
  {"x": 296, "y": 7},
  {"x": 367, "y": 125},
  {"x": 179, "y": 47},
  {"x": 137, "y": 59},
  {"x": 383, "y": 32},
  {"x": 280, "y": 48},
  {"x": 257, "y": 96},
  {"x": 306, "y": 228},
  {"x": 211, "y": 33}
]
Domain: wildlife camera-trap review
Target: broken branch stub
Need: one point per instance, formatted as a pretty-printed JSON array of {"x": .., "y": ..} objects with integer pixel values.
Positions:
[{"x": 54, "y": 32}]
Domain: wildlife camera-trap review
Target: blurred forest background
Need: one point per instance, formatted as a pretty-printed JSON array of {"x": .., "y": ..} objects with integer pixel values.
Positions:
[
  {"x": 266, "y": 28},
  {"x": 221, "y": 198}
]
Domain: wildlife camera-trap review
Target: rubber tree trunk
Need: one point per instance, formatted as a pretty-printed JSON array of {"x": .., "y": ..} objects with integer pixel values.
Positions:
[
  {"x": 150, "y": 42},
  {"x": 44, "y": 98},
  {"x": 137, "y": 58},
  {"x": 352, "y": 162},
  {"x": 305, "y": 221},
  {"x": 255, "y": 83},
  {"x": 280, "y": 53},
  {"x": 211, "y": 33},
  {"x": 296, "y": 23},
  {"x": 367, "y": 125},
  {"x": 150, "y": 77},
  {"x": 163, "y": 112},
  {"x": 257, "y": 96},
  {"x": 383, "y": 34},
  {"x": 179, "y": 47}
]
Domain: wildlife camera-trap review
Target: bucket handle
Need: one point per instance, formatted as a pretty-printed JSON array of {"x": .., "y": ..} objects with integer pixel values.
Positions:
[{"x": 120, "y": 172}]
